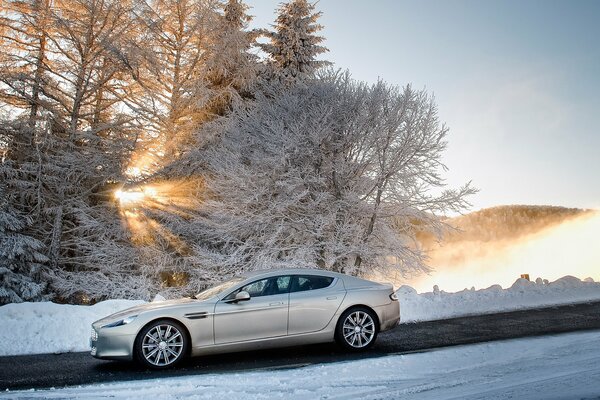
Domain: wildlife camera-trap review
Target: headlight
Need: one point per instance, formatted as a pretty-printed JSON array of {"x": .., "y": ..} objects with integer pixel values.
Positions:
[
  {"x": 120, "y": 322},
  {"x": 394, "y": 297}
]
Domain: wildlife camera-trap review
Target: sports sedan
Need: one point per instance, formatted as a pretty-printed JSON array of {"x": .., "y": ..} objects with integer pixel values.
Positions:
[{"x": 263, "y": 309}]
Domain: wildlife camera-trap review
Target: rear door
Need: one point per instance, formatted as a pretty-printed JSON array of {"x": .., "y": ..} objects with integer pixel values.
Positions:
[
  {"x": 265, "y": 315},
  {"x": 314, "y": 300}
]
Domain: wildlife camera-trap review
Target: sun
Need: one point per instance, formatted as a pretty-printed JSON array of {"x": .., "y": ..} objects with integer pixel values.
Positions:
[
  {"x": 139, "y": 205},
  {"x": 129, "y": 198}
]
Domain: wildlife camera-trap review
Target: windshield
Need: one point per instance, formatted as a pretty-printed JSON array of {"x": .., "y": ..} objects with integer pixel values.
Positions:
[{"x": 215, "y": 290}]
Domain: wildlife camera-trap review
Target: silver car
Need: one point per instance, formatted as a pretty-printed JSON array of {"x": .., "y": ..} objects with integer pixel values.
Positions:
[{"x": 263, "y": 309}]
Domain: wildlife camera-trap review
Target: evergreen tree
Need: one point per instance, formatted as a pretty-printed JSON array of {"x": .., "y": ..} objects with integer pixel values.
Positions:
[
  {"x": 295, "y": 45},
  {"x": 230, "y": 66},
  {"x": 21, "y": 258}
]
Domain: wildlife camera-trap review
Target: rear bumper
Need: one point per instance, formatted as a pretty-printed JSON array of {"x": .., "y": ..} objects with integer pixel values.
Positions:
[{"x": 389, "y": 316}]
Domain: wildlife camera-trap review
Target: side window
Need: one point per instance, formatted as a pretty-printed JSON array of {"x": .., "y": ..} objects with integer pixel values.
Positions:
[
  {"x": 255, "y": 288},
  {"x": 310, "y": 282},
  {"x": 266, "y": 287}
]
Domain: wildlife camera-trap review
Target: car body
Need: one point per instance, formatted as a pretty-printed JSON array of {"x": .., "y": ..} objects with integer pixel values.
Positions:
[{"x": 262, "y": 309}]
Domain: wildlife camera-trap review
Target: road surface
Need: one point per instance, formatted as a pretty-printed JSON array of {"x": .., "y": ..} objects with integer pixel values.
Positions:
[{"x": 58, "y": 370}]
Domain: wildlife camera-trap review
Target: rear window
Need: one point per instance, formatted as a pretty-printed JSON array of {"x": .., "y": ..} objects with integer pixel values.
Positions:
[{"x": 303, "y": 283}]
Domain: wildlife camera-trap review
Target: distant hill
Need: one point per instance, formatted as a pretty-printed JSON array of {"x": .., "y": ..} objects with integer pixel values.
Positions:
[{"x": 503, "y": 223}]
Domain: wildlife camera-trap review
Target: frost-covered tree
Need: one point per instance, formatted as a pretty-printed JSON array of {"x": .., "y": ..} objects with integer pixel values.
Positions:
[
  {"x": 230, "y": 65},
  {"x": 82, "y": 147},
  {"x": 294, "y": 46},
  {"x": 58, "y": 170},
  {"x": 21, "y": 257},
  {"x": 167, "y": 64},
  {"x": 88, "y": 38},
  {"x": 25, "y": 27},
  {"x": 335, "y": 173}
]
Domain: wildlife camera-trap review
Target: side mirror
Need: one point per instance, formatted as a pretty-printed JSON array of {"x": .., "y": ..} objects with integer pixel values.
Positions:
[{"x": 242, "y": 296}]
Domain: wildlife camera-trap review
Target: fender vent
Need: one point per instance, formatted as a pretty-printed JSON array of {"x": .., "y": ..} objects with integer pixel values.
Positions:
[{"x": 198, "y": 315}]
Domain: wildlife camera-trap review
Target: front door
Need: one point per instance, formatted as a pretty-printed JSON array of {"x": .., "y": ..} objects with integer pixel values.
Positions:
[{"x": 265, "y": 315}]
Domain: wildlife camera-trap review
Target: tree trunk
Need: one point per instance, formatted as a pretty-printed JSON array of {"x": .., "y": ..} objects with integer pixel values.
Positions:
[
  {"x": 371, "y": 224},
  {"x": 39, "y": 63},
  {"x": 55, "y": 243}
]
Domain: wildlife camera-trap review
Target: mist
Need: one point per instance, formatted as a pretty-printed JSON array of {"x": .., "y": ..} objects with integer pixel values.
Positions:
[{"x": 569, "y": 248}]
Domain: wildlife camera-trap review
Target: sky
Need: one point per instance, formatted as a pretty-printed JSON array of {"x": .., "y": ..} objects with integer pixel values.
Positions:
[{"x": 516, "y": 81}]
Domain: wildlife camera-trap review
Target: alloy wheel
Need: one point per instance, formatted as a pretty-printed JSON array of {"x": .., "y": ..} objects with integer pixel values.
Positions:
[
  {"x": 162, "y": 345},
  {"x": 358, "y": 329}
]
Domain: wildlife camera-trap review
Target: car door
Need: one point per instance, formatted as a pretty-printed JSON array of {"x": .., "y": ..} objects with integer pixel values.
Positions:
[
  {"x": 265, "y": 315},
  {"x": 314, "y": 300}
]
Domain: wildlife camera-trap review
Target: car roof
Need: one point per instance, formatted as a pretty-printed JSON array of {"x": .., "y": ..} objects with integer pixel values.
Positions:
[{"x": 290, "y": 271}]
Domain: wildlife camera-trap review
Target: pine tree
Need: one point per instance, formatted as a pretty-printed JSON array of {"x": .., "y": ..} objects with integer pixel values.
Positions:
[
  {"x": 21, "y": 258},
  {"x": 230, "y": 66},
  {"x": 295, "y": 45}
]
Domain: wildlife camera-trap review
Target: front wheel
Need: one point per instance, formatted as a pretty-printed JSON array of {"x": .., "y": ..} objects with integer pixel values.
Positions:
[
  {"x": 161, "y": 344},
  {"x": 357, "y": 329}
]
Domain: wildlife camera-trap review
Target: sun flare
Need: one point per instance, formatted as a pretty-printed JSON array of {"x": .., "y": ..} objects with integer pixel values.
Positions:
[
  {"x": 140, "y": 207},
  {"x": 129, "y": 197}
]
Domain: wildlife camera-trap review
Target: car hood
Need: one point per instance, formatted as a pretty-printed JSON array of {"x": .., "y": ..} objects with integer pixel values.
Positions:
[{"x": 156, "y": 305}]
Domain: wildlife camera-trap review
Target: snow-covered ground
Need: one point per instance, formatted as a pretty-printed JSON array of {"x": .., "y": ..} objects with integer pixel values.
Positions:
[
  {"x": 47, "y": 327},
  {"x": 553, "y": 367},
  {"x": 522, "y": 294},
  {"x": 53, "y": 328}
]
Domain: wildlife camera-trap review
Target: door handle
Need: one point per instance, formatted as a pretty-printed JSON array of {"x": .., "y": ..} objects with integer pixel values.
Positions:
[
  {"x": 278, "y": 303},
  {"x": 331, "y": 297}
]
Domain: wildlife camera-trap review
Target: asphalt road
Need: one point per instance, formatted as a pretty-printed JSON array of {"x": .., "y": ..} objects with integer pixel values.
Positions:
[{"x": 58, "y": 370}]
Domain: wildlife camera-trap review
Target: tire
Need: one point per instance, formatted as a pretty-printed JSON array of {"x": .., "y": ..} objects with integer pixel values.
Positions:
[
  {"x": 357, "y": 329},
  {"x": 161, "y": 344}
]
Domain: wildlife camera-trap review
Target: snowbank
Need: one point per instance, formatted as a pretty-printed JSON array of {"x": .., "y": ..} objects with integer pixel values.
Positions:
[
  {"x": 55, "y": 328},
  {"x": 32, "y": 328},
  {"x": 522, "y": 294}
]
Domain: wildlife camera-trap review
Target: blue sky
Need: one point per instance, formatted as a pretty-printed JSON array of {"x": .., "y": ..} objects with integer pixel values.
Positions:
[{"x": 517, "y": 82}]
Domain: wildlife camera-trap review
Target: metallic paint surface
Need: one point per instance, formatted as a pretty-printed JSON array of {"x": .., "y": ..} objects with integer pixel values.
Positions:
[{"x": 281, "y": 320}]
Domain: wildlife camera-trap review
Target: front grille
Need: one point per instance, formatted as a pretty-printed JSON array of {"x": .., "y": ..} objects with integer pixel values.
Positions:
[{"x": 94, "y": 335}]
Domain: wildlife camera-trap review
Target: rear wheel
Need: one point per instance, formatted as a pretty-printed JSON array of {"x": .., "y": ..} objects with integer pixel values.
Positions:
[
  {"x": 161, "y": 344},
  {"x": 357, "y": 329}
]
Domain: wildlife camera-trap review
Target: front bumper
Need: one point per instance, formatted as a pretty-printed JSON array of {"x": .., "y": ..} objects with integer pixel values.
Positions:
[{"x": 111, "y": 346}]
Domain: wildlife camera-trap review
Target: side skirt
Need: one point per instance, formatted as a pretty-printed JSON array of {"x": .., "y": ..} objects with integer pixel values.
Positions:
[{"x": 324, "y": 336}]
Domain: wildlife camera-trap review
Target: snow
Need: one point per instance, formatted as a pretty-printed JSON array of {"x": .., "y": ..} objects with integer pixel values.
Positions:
[
  {"x": 522, "y": 294},
  {"x": 47, "y": 327},
  {"x": 550, "y": 367},
  {"x": 54, "y": 328}
]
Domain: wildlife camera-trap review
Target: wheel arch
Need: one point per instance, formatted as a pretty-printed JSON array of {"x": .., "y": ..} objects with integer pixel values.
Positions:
[
  {"x": 361, "y": 306},
  {"x": 183, "y": 325}
]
